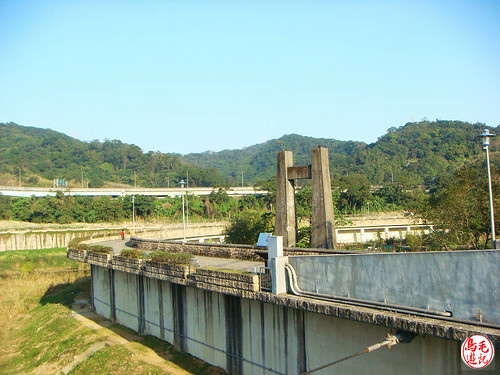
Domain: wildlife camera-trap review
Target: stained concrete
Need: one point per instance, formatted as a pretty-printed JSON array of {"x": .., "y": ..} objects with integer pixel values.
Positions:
[
  {"x": 464, "y": 282},
  {"x": 247, "y": 336}
]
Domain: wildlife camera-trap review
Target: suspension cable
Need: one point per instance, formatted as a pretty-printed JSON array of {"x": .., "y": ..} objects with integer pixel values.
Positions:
[{"x": 390, "y": 340}]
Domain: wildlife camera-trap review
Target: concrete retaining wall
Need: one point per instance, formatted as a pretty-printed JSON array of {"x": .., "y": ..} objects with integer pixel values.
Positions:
[
  {"x": 246, "y": 336},
  {"x": 243, "y": 252},
  {"x": 465, "y": 282},
  {"x": 45, "y": 239},
  {"x": 228, "y": 251},
  {"x": 30, "y": 240},
  {"x": 192, "y": 230}
]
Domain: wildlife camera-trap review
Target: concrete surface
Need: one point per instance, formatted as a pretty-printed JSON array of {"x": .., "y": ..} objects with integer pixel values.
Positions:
[
  {"x": 465, "y": 282},
  {"x": 230, "y": 264},
  {"x": 246, "y": 336}
]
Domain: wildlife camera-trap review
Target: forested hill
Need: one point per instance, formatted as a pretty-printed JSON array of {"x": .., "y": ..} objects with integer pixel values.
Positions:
[
  {"x": 258, "y": 162},
  {"x": 44, "y": 155},
  {"x": 413, "y": 153}
]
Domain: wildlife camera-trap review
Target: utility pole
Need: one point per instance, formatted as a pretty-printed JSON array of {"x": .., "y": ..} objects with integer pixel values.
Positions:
[
  {"x": 486, "y": 143},
  {"x": 133, "y": 214},
  {"x": 19, "y": 176},
  {"x": 242, "y": 178},
  {"x": 182, "y": 183}
]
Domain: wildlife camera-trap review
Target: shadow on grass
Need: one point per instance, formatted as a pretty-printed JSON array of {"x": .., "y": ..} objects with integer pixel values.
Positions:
[{"x": 65, "y": 294}]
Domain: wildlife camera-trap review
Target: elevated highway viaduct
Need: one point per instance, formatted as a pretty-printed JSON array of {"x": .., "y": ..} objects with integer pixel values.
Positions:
[{"x": 118, "y": 192}]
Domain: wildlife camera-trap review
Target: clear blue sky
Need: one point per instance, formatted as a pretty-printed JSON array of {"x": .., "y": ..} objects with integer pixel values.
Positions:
[{"x": 190, "y": 76}]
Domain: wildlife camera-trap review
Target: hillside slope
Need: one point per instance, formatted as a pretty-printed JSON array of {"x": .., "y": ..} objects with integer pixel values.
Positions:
[
  {"x": 44, "y": 155},
  {"x": 415, "y": 152}
]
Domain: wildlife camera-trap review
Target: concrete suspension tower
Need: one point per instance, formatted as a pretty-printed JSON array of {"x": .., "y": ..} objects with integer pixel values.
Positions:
[{"x": 322, "y": 221}]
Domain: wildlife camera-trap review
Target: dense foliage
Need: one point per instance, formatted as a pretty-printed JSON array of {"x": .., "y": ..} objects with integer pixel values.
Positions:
[
  {"x": 458, "y": 206},
  {"x": 44, "y": 155},
  {"x": 65, "y": 209},
  {"x": 170, "y": 258},
  {"x": 410, "y": 155},
  {"x": 429, "y": 168}
]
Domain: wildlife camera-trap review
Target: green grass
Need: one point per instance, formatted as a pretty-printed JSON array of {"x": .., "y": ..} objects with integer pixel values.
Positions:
[
  {"x": 48, "y": 335},
  {"x": 115, "y": 360},
  {"x": 184, "y": 360},
  {"x": 32, "y": 260},
  {"x": 38, "y": 333}
]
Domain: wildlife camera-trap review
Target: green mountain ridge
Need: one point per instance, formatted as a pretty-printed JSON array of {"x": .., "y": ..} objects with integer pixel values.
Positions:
[
  {"x": 47, "y": 154},
  {"x": 414, "y": 153}
]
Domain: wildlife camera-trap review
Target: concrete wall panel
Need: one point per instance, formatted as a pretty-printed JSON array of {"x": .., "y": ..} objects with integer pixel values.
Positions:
[
  {"x": 246, "y": 336},
  {"x": 127, "y": 299},
  {"x": 331, "y": 339},
  {"x": 465, "y": 282},
  {"x": 101, "y": 289},
  {"x": 153, "y": 307}
]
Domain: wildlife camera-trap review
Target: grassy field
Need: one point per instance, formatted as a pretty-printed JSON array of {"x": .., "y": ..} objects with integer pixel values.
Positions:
[{"x": 41, "y": 334}]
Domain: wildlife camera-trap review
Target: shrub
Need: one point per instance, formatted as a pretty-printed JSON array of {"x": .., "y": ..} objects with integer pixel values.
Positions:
[
  {"x": 100, "y": 249},
  {"x": 132, "y": 254},
  {"x": 171, "y": 258},
  {"x": 76, "y": 243}
]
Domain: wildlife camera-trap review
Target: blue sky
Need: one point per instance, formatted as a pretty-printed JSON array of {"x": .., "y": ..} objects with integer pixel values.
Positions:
[{"x": 191, "y": 76}]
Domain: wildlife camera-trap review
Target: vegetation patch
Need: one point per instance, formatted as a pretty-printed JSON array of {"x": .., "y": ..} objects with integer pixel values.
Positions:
[
  {"x": 14, "y": 262},
  {"x": 100, "y": 249},
  {"x": 132, "y": 254},
  {"x": 170, "y": 258},
  {"x": 40, "y": 335},
  {"x": 38, "y": 329},
  {"x": 118, "y": 359},
  {"x": 226, "y": 270}
]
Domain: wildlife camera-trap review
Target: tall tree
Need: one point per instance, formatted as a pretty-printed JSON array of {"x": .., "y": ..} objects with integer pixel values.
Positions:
[{"x": 459, "y": 206}]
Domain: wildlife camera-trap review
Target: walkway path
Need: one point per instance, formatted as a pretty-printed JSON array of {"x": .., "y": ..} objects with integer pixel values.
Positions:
[{"x": 203, "y": 261}]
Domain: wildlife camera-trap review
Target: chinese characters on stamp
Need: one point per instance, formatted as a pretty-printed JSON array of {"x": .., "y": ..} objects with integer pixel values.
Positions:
[{"x": 477, "y": 351}]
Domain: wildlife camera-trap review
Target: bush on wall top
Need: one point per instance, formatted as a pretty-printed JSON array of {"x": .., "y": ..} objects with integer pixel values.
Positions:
[{"x": 171, "y": 258}]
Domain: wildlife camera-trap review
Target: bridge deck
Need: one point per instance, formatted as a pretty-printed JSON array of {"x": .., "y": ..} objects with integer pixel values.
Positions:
[{"x": 203, "y": 261}]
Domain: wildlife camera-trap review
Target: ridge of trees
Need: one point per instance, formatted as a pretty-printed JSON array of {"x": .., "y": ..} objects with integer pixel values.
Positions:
[
  {"x": 45, "y": 154},
  {"x": 413, "y": 154}
]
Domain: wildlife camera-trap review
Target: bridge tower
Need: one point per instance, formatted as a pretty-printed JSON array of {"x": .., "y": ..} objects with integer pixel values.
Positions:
[{"x": 322, "y": 221}]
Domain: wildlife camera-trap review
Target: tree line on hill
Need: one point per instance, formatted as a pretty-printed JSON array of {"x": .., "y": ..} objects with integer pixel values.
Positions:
[
  {"x": 411, "y": 155},
  {"x": 44, "y": 155}
]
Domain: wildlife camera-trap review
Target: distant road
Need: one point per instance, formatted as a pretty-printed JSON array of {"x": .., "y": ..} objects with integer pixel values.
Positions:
[
  {"x": 237, "y": 191},
  {"x": 119, "y": 192}
]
